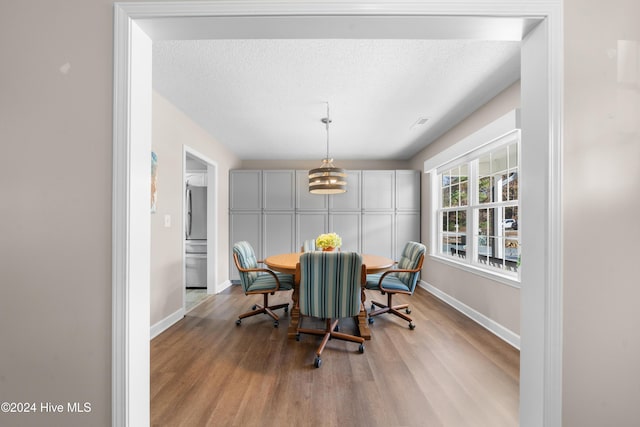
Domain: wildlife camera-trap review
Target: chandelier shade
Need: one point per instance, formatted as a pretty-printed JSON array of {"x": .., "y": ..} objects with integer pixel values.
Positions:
[{"x": 327, "y": 179}]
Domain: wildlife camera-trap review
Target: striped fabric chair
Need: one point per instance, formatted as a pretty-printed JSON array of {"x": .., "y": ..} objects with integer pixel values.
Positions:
[
  {"x": 401, "y": 280},
  {"x": 330, "y": 289},
  {"x": 256, "y": 280}
]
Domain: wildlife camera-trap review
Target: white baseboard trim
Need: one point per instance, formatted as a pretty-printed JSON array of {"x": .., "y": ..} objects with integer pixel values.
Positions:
[
  {"x": 492, "y": 326},
  {"x": 224, "y": 285},
  {"x": 166, "y": 323},
  {"x": 171, "y": 319}
]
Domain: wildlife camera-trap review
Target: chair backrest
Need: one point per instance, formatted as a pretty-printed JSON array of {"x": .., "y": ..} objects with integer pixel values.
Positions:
[
  {"x": 411, "y": 259},
  {"x": 330, "y": 284},
  {"x": 309, "y": 245},
  {"x": 245, "y": 258}
]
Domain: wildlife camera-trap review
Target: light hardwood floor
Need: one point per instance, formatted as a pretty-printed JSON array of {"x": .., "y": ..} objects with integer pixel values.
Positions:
[{"x": 206, "y": 371}]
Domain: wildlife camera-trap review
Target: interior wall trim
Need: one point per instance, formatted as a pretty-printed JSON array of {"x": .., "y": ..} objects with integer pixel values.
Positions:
[
  {"x": 166, "y": 323},
  {"x": 489, "y": 324},
  {"x": 543, "y": 402}
]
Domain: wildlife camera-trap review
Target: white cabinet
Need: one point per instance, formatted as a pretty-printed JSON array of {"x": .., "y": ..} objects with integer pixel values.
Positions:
[
  {"x": 408, "y": 190},
  {"x": 309, "y": 225},
  {"x": 245, "y": 192},
  {"x": 244, "y": 226},
  {"x": 278, "y": 232},
  {"x": 407, "y": 229},
  {"x": 348, "y": 225},
  {"x": 352, "y": 199},
  {"x": 274, "y": 211},
  {"x": 378, "y": 190},
  {"x": 279, "y": 190},
  {"x": 377, "y": 233},
  {"x": 306, "y": 201}
]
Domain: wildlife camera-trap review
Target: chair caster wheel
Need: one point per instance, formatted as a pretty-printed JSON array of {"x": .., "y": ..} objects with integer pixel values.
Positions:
[
  {"x": 337, "y": 329},
  {"x": 370, "y": 320},
  {"x": 317, "y": 362},
  {"x": 275, "y": 324},
  {"x": 286, "y": 309},
  {"x": 373, "y": 307},
  {"x": 361, "y": 348},
  {"x": 408, "y": 311},
  {"x": 238, "y": 322},
  {"x": 297, "y": 337},
  {"x": 412, "y": 326},
  {"x": 254, "y": 307}
]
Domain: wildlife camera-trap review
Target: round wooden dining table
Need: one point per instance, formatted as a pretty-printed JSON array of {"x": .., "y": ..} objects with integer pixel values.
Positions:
[{"x": 286, "y": 263}]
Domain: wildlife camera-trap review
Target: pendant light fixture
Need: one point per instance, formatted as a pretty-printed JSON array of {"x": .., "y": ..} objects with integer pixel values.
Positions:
[{"x": 327, "y": 179}]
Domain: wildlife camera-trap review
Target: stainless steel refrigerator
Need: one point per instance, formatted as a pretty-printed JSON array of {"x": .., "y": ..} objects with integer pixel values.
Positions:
[{"x": 196, "y": 237}]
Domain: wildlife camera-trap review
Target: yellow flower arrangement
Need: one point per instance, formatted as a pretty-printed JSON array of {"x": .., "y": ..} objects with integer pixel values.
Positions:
[{"x": 328, "y": 240}]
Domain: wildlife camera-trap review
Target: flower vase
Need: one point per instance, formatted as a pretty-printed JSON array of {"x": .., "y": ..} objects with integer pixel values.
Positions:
[{"x": 328, "y": 249}]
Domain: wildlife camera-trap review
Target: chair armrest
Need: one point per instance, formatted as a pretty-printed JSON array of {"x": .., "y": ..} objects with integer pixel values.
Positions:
[
  {"x": 256, "y": 270},
  {"x": 400, "y": 270}
]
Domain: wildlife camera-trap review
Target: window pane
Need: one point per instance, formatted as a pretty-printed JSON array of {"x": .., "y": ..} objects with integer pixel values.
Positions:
[
  {"x": 464, "y": 173},
  {"x": 462, "y": 221},
  {"x": 513, "y": 155},
  {"x": 455, "y": 195},
  {"x": 484, "y": 189},
  {"x": 499, "y": 160},
  {"x": 504, "y": 184},
  {"x": 464, "y": 198},
  {"x": 484, "y": 165},
  {"x": 446, "y": 197},
  {"x": 511, "y": 250},
  {"x": 513, "y": 185},
  {"x": 444, "y": 221},
  {"x": 510, "y": 221},
  {"x": 452, "y": 222},
  {"x": 486, "y": 220},
  {"x": 445, "y": 179}
]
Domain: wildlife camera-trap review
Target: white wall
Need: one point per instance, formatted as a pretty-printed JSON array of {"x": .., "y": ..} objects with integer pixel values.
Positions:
[
  {"x": 171, "y": 130},
  {"x": 601, "y": 383},
  {"x": 495, "y": 300}
]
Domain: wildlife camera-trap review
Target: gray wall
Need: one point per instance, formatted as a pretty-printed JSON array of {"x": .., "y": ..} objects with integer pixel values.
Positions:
[
  {"x": 55, "y": 237},
  {"x": 171, "y": 130},
  {"x": 495, "y": 300},
  {"x": 601, "y": 373}
]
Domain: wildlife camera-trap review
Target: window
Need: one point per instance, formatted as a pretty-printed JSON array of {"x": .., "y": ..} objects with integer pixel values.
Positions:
[{"x": 478, "y": 207}]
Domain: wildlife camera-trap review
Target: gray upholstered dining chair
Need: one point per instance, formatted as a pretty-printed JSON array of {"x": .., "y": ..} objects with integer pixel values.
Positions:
[
  {"x": 330, "y": 289},
  {"x": 400, "y": 280},
  {"x": 309, "y": 245},
  {"x": 257, "y": 280}
]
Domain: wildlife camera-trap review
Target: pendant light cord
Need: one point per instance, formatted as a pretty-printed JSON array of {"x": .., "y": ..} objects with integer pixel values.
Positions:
[{"x": 327, "y": 123}]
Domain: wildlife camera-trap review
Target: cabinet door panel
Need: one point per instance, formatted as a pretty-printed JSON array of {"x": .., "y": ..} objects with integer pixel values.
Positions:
[
  {"x": 245, "y": 226},
  {"x": 378, "y": 190},
  {"x": 305, "y": 200},
  {"x": 278, "y": 233},
  {"x": 377, "y": 233},
  {"x": 348, "y": 225},
  {"x": 245, "y": 190},
  {"x": 408, "y": 190},
  {"x": 407, "y": 229},
  {"x": 278, "y": 190},
  {"x": 351, "y": 200},
  {"x": 309, "y": 226}
]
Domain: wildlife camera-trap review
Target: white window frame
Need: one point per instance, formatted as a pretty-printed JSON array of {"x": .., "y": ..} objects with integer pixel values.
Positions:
[{"x": 502, "y": 132}]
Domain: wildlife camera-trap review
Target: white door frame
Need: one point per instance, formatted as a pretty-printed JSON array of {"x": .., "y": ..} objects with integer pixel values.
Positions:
[
  {"x": 541, "y": 302},
  {"x": 212, "y": 218}
]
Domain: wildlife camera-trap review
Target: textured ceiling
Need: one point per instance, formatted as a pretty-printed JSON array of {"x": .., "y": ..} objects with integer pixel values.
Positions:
[{"x": 264, "y": 98}]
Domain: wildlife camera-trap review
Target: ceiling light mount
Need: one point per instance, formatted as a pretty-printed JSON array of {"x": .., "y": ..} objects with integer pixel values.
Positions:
[{"x": 327, "y": 179}]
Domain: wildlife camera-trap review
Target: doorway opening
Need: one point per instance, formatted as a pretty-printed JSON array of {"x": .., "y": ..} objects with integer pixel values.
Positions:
[{"x": 541, "y": 324}]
